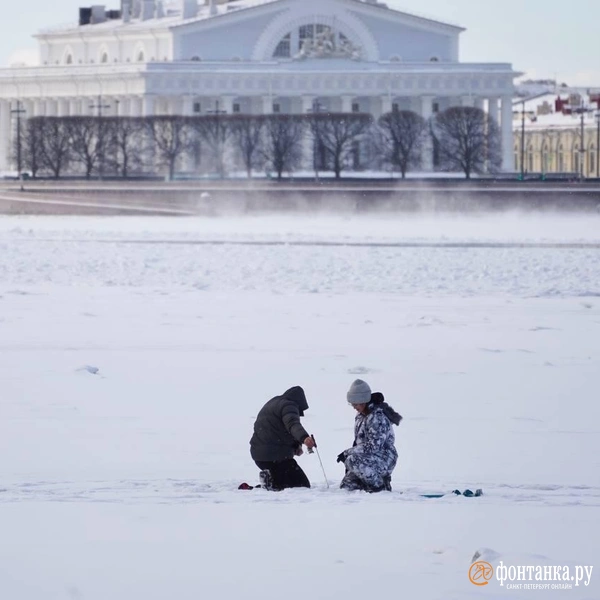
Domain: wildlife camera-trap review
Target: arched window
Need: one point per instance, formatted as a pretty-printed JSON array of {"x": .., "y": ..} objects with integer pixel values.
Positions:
[
  {"x": 315, "y": 40},
  {"x": 104, "y": 58},
  {"x": 69, "y": 59},
  {"x": 545, "y": 159},
  {"x": 561, "y": 158},
  {"x": 140, "y": 56},
  {"x": 592, "y": 160},
  {"x": 530, "y": 163},
  {"x": 284, "y": 48},
  {"x": 576, "y": 159}
]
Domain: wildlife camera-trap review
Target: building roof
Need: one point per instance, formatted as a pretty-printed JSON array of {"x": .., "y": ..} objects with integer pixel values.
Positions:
[
  {"x": 561, "y": 109},
  {"x": 173, "y": 18}
]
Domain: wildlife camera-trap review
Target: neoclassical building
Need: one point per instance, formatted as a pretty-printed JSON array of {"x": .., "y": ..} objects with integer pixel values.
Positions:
[{"x": 252, "y": 56}]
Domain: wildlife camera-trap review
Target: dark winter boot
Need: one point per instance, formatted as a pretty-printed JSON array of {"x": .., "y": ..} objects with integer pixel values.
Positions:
[
  {"x": 387, "y": 483},
  {"x": 266, "y": 480}
]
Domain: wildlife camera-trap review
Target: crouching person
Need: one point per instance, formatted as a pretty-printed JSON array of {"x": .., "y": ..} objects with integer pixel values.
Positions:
[
  {"x": 372, "y": 458},
  {"x": 278, "y": 437}
]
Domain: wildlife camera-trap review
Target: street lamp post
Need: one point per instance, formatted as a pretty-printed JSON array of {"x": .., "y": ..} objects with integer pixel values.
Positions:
[
  {"x": 218, "y": 148},
  {"x": 316, "y": 109},
  {"x": 523, "y": 142},
  {"x": 19, "y": 111},
  {"x": 99, "y": 107},
  {"x": 582, "y": 145},
  {"x": 597, "y": 115}
]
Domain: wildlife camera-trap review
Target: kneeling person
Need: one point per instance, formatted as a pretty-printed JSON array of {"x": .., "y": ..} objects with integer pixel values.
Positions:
[
  {"x": 372, "y": 458},
  {"x": 278, "y": 437}
]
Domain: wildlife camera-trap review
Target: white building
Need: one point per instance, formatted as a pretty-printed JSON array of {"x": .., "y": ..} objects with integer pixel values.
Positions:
[{"x": 256, "y": 56}]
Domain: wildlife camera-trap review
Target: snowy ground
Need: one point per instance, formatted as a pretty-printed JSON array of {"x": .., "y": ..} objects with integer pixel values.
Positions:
[{"x": 121, "y": 483}]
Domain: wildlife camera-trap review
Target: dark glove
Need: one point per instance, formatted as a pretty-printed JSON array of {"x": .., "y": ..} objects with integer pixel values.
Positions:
[{"x": 341, "y": 457}]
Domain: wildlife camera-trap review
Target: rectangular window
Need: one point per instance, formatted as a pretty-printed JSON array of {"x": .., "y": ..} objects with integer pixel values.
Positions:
[
  {"x": 355, "y": 107},
  {"x": 436, "y": 107},
  {"x": 276, "y": 108},
  {"x": 197, "y": 107},
  {"x": 236, "y": 107},
  {"x": 395, "y": 107}
]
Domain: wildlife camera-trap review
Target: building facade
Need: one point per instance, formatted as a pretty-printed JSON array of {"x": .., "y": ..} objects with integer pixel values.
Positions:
[
  {"x": 558, "y": 132},
  {"x": 252, "y": 56}
]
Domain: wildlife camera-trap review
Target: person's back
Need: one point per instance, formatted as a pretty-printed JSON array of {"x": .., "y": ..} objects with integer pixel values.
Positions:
[{"x": 278, "y": 437}]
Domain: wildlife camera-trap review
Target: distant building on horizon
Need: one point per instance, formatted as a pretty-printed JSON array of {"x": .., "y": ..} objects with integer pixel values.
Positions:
[
  {"x": 549, "y": 128},
  {"x": 253, "y": 56}
]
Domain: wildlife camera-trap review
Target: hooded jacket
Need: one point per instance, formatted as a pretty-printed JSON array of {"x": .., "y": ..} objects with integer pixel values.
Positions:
[
  {"x": 277, "y": 429},
  {"x": 374, "y": 448}
]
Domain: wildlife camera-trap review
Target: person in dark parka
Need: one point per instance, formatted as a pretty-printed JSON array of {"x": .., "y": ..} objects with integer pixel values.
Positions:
[{"x": 278, "y": 437}]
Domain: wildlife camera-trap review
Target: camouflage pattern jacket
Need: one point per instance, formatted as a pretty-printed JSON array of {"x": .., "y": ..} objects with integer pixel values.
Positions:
[{"x": 374, "y": 440}]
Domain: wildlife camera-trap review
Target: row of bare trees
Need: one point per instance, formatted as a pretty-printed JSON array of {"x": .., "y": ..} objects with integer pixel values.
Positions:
[{"x": 460, "y": 139}]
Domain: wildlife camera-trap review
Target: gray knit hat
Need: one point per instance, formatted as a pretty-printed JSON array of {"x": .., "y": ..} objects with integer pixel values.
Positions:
[{"x": 359, "y": 392}]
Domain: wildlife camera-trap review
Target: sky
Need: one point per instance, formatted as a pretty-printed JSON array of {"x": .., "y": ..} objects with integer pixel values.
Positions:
[{"x": 542, "y": 38}]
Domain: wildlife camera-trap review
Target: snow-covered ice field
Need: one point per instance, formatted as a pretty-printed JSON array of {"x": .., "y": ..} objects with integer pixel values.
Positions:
[{"x": 135, "y": 353}]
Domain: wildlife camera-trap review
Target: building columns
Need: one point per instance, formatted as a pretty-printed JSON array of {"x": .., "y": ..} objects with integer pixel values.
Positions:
[
  {"x": 307, "y": 104},
  {"x": 427, "y": 154},
  {"x": 507, "y": 134},
  {"x": 187, "y": 106},
  {"x": 122, "y": 106},
  {"x": 62, "y": 108},
  {"x": 267, "y": 105},
  {"x": 27, "y": 106},
  {"x": 148, "y": 106},
  {"x": 347, "y": 104},
  {"x": 386, "y": 104},
  {"x": 226, "y": 104},
  {"x": 494, "y": 109},
  {"x": 4, "y": 135},
  {"x": 135, "y": 107},
  {"x": 39, "y": 108}
]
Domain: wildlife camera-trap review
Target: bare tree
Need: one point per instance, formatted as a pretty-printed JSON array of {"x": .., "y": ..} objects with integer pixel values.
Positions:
[
  {"x": 468, "y": 140},
  {"x": 87, "y": 145},
  {"x": 248, "y": 133},
  {"x": 399, "y": 139},
  {"x": 336, "y": 134},
  {"x": 170, "y": 135},
  {"x": 31, "y": 142},
  {"x": 55, "y": 145},
  {"x": 284, "y": 136},
  {"x": 124, "y": 144},
  {"x": 214, "y": 132}
]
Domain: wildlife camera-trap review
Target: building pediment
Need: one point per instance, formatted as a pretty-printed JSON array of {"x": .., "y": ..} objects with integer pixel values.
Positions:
[
  {"x": 244, "y": 8},
  {"x": 314, "y": 29}
]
